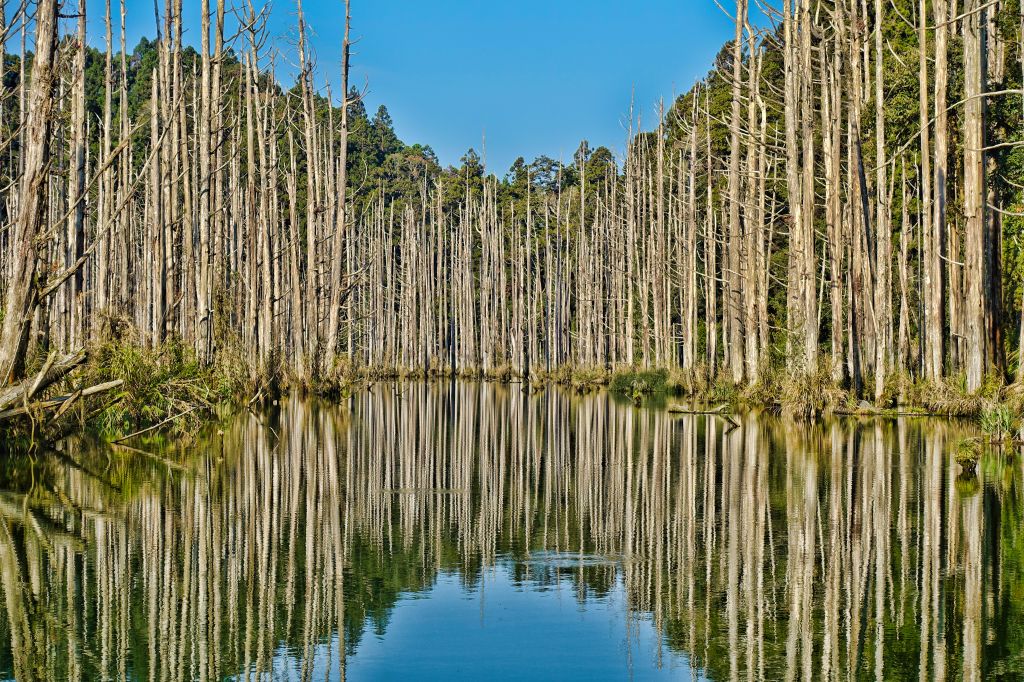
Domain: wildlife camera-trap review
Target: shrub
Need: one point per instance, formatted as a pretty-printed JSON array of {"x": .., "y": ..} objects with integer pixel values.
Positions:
[
  {"x": 767, "y": 389},
  {"x": 951, "y": 397},
  {"x": 157, "y": 384}
]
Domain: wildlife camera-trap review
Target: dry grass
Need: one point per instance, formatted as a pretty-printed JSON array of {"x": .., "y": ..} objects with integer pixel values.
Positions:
[
  {"x": 950, "y": 397},
  {"x": 808, "y": 394}
]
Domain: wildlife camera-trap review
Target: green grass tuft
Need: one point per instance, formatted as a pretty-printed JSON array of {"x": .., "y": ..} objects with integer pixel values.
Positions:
[
  {"x": 637, "y": 384},
  {"x": 158, "y": 383}
]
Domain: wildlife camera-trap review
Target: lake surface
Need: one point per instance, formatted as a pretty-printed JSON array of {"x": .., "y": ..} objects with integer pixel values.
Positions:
[{"x": 473, "y": 531}]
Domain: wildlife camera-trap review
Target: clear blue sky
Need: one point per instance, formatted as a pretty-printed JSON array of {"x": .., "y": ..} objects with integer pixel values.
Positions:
[{"x": 537, "y": 76}]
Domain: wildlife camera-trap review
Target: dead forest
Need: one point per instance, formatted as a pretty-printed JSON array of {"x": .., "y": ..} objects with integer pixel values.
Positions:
[{"x": 840, "y": 194}]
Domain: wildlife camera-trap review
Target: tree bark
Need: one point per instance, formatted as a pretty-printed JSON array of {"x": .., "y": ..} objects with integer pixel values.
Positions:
[{"x": 21, "y": 292}]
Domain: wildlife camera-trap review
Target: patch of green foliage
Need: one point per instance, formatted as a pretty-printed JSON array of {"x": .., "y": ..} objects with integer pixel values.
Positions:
[
  {"x": 951, "y": 397},
  {"x": 767, "y": 390},
  {"x": 585, "y": 379},
  {"x": 579, "y": 379},
  {"x": 999, "y": 422},
  {"x": 968, "y": 452},
  {"x": 159, "y": 383},
  {"x": 637, "y": 384}
]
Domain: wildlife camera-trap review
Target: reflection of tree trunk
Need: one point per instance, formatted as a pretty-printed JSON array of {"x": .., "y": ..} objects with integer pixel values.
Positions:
[
  {"x": 881, "y": 515},
  {"x": 836, "y": 559},
  {"x": 733, "y": 444},
  {"x": 755, "y": 503},
  {"x": 932, "y": 634},
  {"x": 973, "y": 530},
  {"x": 208, "y": 575},
  {"x": 801, "y": 508},
  {"x": 23, "y": 640}
]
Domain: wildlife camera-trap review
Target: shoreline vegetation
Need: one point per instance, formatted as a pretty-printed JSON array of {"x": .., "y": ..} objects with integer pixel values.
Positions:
[
  {"x": 830, "y": 221},
  {"x": 165, "y": 391}
]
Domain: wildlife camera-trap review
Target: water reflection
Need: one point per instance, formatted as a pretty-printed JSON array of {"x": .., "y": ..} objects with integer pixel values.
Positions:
[{"x": 289, "y": 547}]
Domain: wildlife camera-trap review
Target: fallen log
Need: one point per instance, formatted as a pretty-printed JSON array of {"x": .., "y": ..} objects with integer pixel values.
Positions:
[
  {"x": 65, "y": 407},
  {"x": 60, "y": 401},
  {"x": 720, "y": 411},
  {"x": 676, "y": 408},
  {"x": 53, "y": 370}
]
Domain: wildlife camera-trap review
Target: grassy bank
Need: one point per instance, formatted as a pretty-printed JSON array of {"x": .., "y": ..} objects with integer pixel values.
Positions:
[
  {"x": 162, "y": 387},
  {"x": 817, "y": 393},
  {"x": 166, "y": 390}
]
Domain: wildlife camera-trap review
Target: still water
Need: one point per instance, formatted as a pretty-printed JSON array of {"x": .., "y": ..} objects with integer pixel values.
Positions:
[{"x": 471, "y": 531}]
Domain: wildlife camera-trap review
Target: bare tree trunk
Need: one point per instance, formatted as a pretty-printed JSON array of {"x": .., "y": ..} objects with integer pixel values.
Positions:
[
  {"x": 203, "y": 322},
  {"x": 19, "y": 305},
  {"x": 808, "y": 255},
  {"x": 1020, "y": 349},
  {"x": 156, "y": 253},
  {"x": 753, "y": 244},
  {"x": 975, "y": 258},
  {"x": 939, "y": 233},
  {"x": 710, "y": 257},
  {"x": 733, "y": 305},
  {"x": 336, "y": 285},
  {"x": 313, "y": 207},
  {"x": 832, "y": 132},
  {"x": 107, "y": 181},
  {"x": 931, "y": 285},
  {"x": 883, "y": 236},
  {"x": 794, "y": 182},
  {"x": 76, "y": 190},
  {"x": 903, "y": 336}
]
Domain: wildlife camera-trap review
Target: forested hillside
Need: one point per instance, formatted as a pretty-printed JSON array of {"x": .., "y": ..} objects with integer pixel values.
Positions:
[{"x": 840, "y": 198}]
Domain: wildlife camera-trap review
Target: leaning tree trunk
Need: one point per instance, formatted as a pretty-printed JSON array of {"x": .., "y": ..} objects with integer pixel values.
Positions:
[{"x": 21, "y": 291}]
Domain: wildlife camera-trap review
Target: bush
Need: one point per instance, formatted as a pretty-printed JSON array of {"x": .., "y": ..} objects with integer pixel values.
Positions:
[
  {"x": 767, "y": 390},
  {"x": 158, "y": 383},
  {"x": 236, "y": 374},
  {"x": 580, "y": 379},
  {"x": 588, "y": 379},
  {"x": 951, "y": 397}
]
